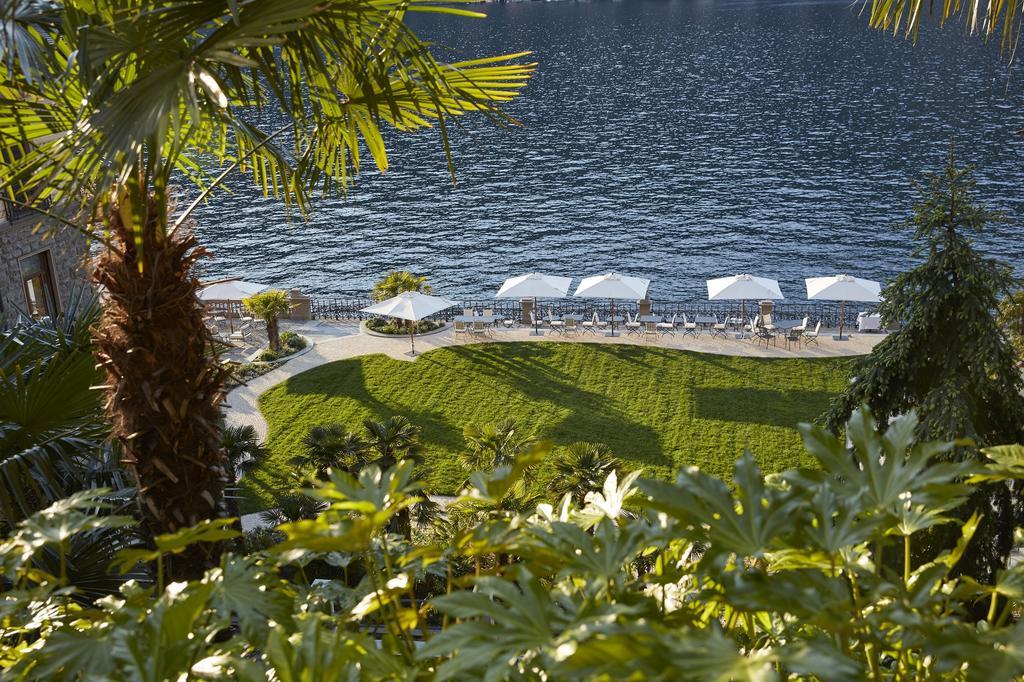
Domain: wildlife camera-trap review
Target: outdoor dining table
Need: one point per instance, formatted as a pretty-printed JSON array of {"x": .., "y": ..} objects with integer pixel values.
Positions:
[
  {"x": 785, "y": 325},
  {"x": 652, "y": 318},
  {"x": 568, "y": 316}
]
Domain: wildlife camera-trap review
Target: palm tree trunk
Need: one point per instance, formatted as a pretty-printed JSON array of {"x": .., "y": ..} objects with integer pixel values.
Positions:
[
  {"x": 273, "y": 334},
  {"x": 164, "y": 388}
]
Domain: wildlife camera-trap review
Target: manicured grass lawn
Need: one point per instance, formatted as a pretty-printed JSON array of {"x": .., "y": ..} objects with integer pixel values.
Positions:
[{"x": 657, "y": 408}]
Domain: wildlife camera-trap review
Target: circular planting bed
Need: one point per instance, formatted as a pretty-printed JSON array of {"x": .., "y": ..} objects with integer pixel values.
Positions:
[
  {"x": 385, "y": 327},
  {"x": 658, "y": 409}
]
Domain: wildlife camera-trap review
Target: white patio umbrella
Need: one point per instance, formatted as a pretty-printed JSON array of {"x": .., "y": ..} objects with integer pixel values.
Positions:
[
  {"x": 230, "y": 290},
  {"x": 412, "y": 306},
  {"x": 613, "y": 286},
  {"x": 743, "y": 288},
  {"x": 843, "y": 288},
  {"x": 534, "y": 285}
]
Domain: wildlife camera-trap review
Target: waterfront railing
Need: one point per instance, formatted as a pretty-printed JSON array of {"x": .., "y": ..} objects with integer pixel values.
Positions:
[{"x": 349, "y": 309}]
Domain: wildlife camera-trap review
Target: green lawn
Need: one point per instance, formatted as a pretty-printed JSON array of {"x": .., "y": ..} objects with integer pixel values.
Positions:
[{"x": 657, "y": 408}]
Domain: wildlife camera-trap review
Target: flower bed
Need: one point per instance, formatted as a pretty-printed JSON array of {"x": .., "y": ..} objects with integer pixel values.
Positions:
[{"x": 387, "y": 325}]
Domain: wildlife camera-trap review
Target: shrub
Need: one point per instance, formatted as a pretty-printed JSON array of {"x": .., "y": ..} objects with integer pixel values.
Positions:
[
  {"x": 784, "y": 577},
  {"x": 384, "y": 325},
  {"x": 293, "y": 342}
]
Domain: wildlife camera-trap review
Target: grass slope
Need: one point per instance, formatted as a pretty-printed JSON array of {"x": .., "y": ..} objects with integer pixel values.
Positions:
[{"x": 657, "y": 408}]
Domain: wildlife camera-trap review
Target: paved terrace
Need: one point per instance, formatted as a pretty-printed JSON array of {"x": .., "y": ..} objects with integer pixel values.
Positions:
[{"x": 340, "y": 341}]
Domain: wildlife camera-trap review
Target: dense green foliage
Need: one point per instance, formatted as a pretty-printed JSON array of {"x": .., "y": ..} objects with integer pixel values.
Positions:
[
  {"x": 776, "y": 578},
  {"x": 385, "y": 325},
  {"x": 655, "y": 408},
  {"x": 950, "y": 360},
  {"x": 289, "y": 344},
  {"x": 1011, "y": 318},
  {"x": 52, "y": 432}
]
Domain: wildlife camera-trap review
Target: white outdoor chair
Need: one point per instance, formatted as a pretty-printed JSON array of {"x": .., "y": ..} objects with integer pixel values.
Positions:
[
  {"x": 718, "y": 328},
  {"x": 468, "y": 312},
  {"x": 668, "y": 327},
  {"x": 571, "y": 325},
  {"x": 752, "y": 328},
  {"x": 651, "y": 331},
  {"x": 479, "y": 328},
  {"x": 557, "y": 326},
  {"x": 590, "y": 326},
  {"x": 689, "y": 327},
  {"x": 810, "y": 337},
  {"x": 460, "y": 328},
  {"x": 803, "y": 325},
  {"x": 632, "y": 324}
]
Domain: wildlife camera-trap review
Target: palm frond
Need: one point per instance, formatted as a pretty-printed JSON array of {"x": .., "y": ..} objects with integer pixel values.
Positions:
[
  {"x": 989, "y": 18},
  {"x": 139, "y": 90}
]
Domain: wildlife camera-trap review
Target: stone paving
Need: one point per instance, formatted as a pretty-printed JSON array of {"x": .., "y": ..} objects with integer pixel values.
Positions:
[{"x": 339, "y": 341}]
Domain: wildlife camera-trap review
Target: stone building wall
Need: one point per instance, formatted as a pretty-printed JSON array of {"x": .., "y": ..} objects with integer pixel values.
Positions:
[{"x": 19, "y": 239}]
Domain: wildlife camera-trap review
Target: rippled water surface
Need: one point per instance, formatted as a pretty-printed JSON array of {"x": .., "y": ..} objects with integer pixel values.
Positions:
[{"x": 672, "y": 140}]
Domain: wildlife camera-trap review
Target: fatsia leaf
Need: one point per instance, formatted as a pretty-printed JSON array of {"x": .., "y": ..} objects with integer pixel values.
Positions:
[
  {"x": 247, "y": 590},
  {"x": 209, "y": 530}
]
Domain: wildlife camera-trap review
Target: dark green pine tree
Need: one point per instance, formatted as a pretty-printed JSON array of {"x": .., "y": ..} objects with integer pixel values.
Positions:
[{"x": 950, "y": 360}]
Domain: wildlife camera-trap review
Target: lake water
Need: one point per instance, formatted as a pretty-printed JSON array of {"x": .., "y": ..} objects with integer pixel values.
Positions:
[{"x": 671, "y": 140}]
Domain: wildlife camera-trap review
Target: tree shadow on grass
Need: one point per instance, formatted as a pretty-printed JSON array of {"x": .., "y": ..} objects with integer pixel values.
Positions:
[
  {"x": 526, "y": 374},
  {"x": 346, "y": 378},
  {"x": 759, "y": 405}
]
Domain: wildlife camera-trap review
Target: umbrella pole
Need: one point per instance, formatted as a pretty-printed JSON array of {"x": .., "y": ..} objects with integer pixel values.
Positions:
[
  {"x": 743, "y": 318},
  {"x": 613, "y": 316},
  {"x": 412, "y": 337},
  {"x": 842, "y": 314},
  {"x": 536, "y": 329}
]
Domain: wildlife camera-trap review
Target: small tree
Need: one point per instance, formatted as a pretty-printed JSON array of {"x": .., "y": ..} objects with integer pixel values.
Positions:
[
  {"x": 493, "y": 445},
  {"x": 950, "y": 361},
  {"x": 270, "y": 305},
  {"x": 331, "y": 447},
  {"x": 583, "y": 468},
  {"x": 397, "y": 282}
]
